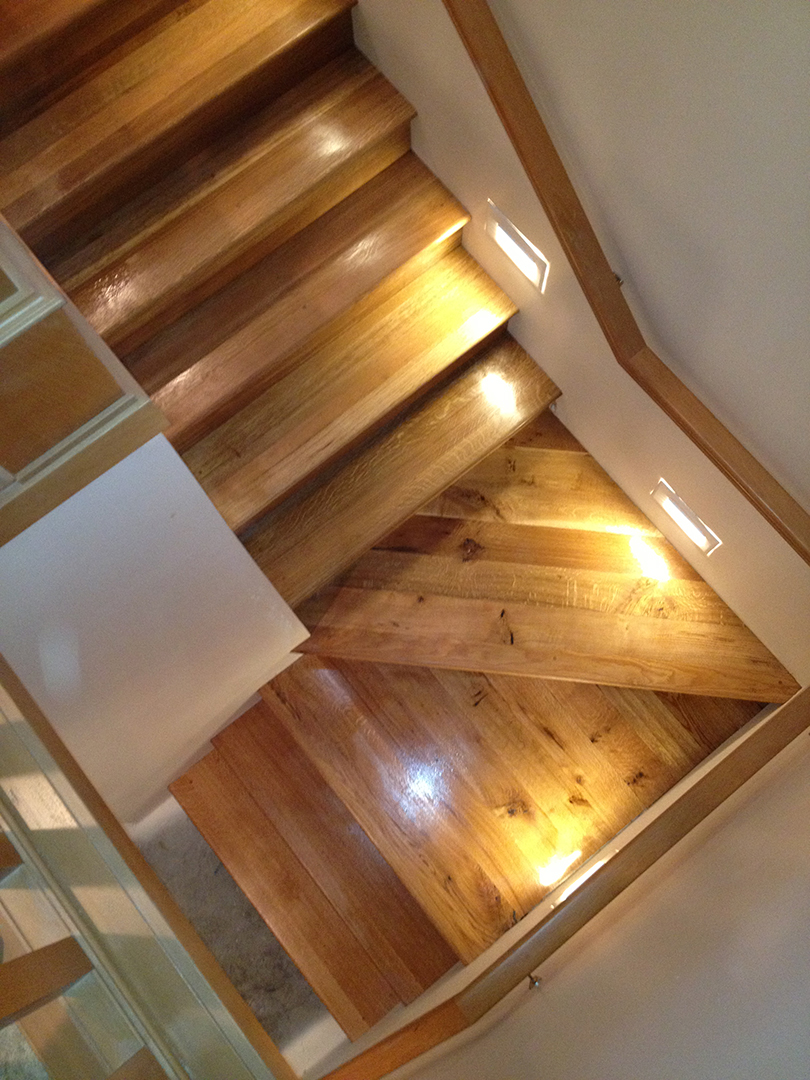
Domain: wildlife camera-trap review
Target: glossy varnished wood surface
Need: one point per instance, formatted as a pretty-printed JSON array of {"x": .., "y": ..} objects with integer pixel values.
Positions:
[
  {"x": 311, "y": 872},
  {"x": 317, "y": 533},
  {"x": 208, "y": 365},
  {"x": 525, "y": 567},
  {"x": 592, "y": 896},
  {"x": 344, "y": 383},
  {"x": 117, "y": 129},
  {"x": 322, "y": 833},
  {"x": 469, "y": 784},
  {"x": 268, "y": 186}
]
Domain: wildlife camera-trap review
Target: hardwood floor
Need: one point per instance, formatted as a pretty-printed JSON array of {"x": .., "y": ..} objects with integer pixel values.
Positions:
[
  {"x": 536, "y": 563},
  {"x": 473, "y": 786}
]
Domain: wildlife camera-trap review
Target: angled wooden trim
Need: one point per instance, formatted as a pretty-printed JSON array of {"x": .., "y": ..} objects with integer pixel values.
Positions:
[
  {"x": 461, "y": 1011},
  {"x": 507, "y": 90},
  {"x": 141, "y": 1066},
  {"x": 154, "y": 888},
  {"x": 718, "y": 444},
  {"x": 34, "y": 979},
  {"x": 10, "y": 858},
  {"x": 30, "y": 500}
]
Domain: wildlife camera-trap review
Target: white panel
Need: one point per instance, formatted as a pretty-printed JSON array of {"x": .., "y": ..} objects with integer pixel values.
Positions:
[
  {"x": 139, "y": 623},
  {"x": 459, "y": 135}
]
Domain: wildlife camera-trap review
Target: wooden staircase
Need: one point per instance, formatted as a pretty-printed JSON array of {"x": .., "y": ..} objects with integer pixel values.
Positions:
[
  {"x": 229, "y": 197},
  {"x": 226, "y": 191}
]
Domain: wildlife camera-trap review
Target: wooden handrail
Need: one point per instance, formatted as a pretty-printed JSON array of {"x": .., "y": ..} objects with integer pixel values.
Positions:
[
  {"x": 453, "y": 1016},
  {"x": 509, "y": 94}
]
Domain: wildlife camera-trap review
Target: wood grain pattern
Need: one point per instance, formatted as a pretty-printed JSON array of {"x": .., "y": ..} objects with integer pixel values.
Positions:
[
  {"x": 226, "y": 351},
  {"x": 49, "y": 45},
  {"x": 427, "y": 451},
  {"x": 469, "y": 784},
  {"x": 328, "y": 953},
  {"x": 287, "y": 176},
  {"x": 51, "y": 383},
  {"x": 625, "y": 866},
  {"x": 337, "y": 853},
  {"x": 124, "y": 127},
  {"x": 527, "y": 566},
  {"x": 345, "y": 384},
  {"x": 505, "y": 85},
  {"x": 38, "y": 977}
]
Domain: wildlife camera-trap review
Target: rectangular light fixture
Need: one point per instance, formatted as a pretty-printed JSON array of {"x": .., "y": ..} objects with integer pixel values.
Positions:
[
  {"x": 687, "y": 520},
  {"x": 526, "y": 257}
]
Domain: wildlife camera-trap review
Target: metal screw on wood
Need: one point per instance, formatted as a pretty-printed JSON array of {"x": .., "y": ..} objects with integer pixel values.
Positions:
[{"x": 534, "y": 982}]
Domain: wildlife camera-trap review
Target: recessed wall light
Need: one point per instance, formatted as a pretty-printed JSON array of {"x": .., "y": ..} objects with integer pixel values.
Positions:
[
  {"x": 685, "y": 518},
  {"x": 526, "y": 257}
]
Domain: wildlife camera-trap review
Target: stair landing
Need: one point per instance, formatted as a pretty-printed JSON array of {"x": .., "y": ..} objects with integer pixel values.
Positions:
[{"x": 530, "y": 565}]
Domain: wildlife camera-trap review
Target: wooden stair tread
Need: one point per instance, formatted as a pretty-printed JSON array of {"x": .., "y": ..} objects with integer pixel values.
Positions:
[
  {"x": 50, "y": 46},
  {"x": 138, "y": 115},
  {"x": 525, "y": 566},
  {"x": 334, "y": 849},
  {"x": 470, "y": 783},
  {"x": 205, "y": 367},
  {"x": 367, "y": 365},
  {"x": 288, "y": 176},
  {"x": 296, "y": 545},
  {"x": 324, "y": 947}
]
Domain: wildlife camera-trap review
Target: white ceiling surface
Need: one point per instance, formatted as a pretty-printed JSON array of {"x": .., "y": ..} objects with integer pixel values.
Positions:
[
  {"x": 460, "y": 137},
  {"x": 698, "y": 970}
]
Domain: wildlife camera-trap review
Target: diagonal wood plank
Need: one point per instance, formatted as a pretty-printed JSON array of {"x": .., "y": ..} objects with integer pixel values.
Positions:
[
  {"x": 525, "y": 639},
  {"x": 535, "y": 563},
  {"x": 337, "y": 853},
  {"x": 329, "y": 955}
]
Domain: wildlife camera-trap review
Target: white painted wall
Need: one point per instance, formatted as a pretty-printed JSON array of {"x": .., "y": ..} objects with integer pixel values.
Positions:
[
  {"x": 140, "y": 624},
  {"x": 698, "y": 971},
  {"x": 459, "y": 136}
]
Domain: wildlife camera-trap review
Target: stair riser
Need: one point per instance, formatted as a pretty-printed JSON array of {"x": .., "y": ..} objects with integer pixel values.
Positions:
[{"x": 83, "y": 193}]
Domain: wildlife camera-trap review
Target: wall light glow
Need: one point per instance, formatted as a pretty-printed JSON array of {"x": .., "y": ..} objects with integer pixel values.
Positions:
[
  {"x": 652, "y": 564},
  {"x": 526, "y": 257},
  {"x": 556, "y": 867},
  {"x": 572, "y": 888}
]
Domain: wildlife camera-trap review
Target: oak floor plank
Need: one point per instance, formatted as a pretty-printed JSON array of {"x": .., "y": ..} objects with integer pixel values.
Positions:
[
  {"x": 342, "y": 389},
  {"x": 296, "y": 546},
  {"x": 334, "y": 849},
  {"x": 324, "y": 947},
  {"x": 522, "y": 639},
  {"x": 525, "y": 485},
  {"x": 546, "y": 586},
  {"x": 400, "y": 803},
  {"x": 474, "y": 541}
]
